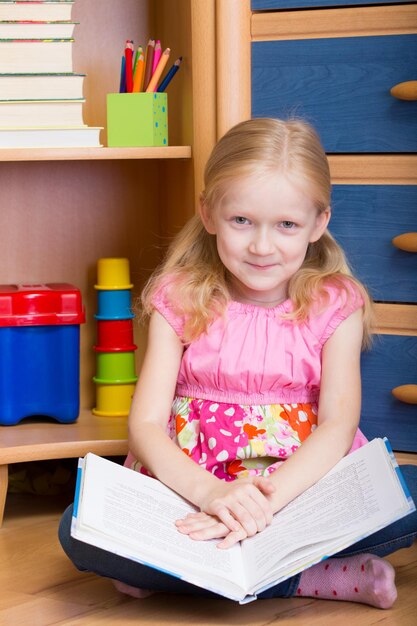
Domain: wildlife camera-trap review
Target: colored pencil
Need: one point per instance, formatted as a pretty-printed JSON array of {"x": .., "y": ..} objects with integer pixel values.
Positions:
[
  {"x": 157, "y": 55},
  {"x": 122, "y": 88},
  {"x": 138, "y": 51},
  {"x": 153, "y": 83},
  {"x": 129, "y": 66},
  {"x": 150, "y": 51},
  {"x": 138, "y": 78},
  {"x": 170, "y": 75}
]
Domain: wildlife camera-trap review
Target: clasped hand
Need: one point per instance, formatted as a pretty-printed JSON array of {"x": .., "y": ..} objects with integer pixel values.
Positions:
[{"x": 232, "y": 510}]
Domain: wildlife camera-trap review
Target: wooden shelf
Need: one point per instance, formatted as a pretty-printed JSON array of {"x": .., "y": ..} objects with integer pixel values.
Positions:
[
  {"x": 91, "y": 154},
  {"x": 35, "y": 440}
]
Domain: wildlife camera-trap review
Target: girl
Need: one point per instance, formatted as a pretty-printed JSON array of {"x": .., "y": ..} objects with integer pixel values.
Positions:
[{"x": 252, "y": 366}]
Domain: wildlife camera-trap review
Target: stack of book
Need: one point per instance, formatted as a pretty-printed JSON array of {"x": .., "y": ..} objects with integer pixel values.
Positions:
[{"x": 41, "y": 98}]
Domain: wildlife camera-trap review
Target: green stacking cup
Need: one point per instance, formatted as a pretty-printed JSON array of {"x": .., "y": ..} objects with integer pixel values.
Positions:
[{"x": 115, "y": 367}]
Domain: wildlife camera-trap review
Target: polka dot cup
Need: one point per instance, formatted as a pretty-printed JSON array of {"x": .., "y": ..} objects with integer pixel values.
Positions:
[{"x": 137, "y": 119}]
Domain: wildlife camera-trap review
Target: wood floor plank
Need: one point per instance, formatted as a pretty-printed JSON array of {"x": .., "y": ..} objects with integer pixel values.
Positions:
[
  {"x": 90, "y": 591},
  {"x": 39, "y": 611},
  {"x": 13, "y": 598},
  {"x": 167, "y": 610},
  {"x": 37, "y": 560}
]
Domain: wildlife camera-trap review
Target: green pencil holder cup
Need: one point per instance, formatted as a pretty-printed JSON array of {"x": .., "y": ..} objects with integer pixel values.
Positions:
[{"x": 137, "y": 120}]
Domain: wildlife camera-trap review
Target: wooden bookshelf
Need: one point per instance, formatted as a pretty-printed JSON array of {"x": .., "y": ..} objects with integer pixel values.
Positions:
[
  {"x": 93, "y": 154},
  {"x": 63, "y": 209}
]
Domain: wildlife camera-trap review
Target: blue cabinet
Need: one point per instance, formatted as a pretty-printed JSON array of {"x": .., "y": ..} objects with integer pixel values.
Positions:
[
  {"x": 342, "y": 86},
  {"x": 365, "y": 219},
  {"x": 268, "y": 5},
  {"x": 391, "y": 362}
]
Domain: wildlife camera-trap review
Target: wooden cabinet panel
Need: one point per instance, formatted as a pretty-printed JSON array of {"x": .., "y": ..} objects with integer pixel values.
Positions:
[
  {"x": 342, "y": 86},
  {"x": 391, "y": 362},
  {"x": 365, "y": 219}
]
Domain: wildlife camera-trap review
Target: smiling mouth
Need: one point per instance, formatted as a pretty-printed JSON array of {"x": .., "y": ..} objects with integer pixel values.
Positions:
[{"x": 262, "y": 267}]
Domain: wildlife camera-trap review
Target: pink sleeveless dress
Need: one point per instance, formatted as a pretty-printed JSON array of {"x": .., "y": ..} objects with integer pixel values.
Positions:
[{"x": 248, "y": 389}]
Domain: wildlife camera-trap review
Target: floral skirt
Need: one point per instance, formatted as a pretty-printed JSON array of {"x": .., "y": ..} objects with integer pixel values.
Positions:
[
  {"x": 235, "y": 440},
  {"x": 232, "y": 440}
]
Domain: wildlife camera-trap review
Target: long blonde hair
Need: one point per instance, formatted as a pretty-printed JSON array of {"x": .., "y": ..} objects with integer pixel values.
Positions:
[{"x": 196, "y": 279}]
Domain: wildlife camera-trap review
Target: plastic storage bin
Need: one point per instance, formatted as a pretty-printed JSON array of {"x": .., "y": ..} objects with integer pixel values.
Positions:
[{"x": 40, "y": 352}]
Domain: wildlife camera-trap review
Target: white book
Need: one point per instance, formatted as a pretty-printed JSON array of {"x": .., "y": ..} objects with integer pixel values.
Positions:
[
  {"x": 35, "y": 56},
  {"x": 36, "y": 30},
  {"x": 26, "y": 113},
  {"x": 41, "y": 86},
  {"x": 82, "y": 137},
  {"x": 42, "y": 11},
  {"x": 132, "y": 515}
]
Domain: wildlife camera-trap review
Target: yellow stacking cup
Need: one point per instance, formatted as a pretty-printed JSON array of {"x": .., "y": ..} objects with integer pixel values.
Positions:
[
  {"x": 113, "y": 273},
  {"x": 113, "y": 400}
]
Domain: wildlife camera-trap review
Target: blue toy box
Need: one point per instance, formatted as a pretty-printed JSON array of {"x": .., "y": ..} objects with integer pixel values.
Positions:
[{"x": 40, "y": 352}]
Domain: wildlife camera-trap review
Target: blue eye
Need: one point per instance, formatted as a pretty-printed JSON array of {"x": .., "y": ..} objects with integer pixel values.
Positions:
[
  {"x": 287, "y": 224},
  {"x": 240, "y": 220}
]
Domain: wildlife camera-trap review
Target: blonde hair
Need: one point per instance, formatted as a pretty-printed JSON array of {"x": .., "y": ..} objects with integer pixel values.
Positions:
[{"x": 198, "y": 281}]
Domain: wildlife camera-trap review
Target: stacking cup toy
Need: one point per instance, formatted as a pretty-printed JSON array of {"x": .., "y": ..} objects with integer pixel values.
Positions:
[
  {"x": 114, "y": 336},
  {"x": 115, "y": 351},
  {"x": 115, "y": 367},
  {"x": 113, "y": 400},
  {"x": 114, "y": 305},
  {"x": 113, "y": 273}
]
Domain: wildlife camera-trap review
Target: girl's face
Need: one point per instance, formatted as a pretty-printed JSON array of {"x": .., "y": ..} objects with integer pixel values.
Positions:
[{"x": 263, "y": 227}]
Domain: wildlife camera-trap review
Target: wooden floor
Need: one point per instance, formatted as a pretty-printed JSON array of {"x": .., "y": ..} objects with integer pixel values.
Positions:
[{"x": 40, "y": 587}]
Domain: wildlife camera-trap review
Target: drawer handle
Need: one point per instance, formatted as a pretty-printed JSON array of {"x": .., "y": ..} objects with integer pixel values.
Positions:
[
  {"x": 406, "y": 393},
  {"x": 406, "y": 242},
  {"x": 405, "y": 91}
]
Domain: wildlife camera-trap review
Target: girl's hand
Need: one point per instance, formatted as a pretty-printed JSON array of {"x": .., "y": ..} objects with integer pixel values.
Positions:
[
  {"x": 202, "y": 527},
  {"x": 241, "y": 504}
]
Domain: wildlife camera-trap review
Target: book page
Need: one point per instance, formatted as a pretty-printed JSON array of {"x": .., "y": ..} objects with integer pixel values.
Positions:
[
  {"x": 357, "y": 496},
  {"x": 134, "y": 515}
]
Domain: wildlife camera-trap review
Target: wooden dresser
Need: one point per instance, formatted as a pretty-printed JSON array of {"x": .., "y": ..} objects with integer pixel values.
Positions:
[{"x": 335, "y": 66}]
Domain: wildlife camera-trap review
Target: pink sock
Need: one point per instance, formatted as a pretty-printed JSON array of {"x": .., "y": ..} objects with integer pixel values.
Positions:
[{"x": 362, "y": 578}]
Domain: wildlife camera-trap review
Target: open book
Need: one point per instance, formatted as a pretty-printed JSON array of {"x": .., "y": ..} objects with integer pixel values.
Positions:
[{"x": 132, "y": 515}]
